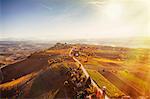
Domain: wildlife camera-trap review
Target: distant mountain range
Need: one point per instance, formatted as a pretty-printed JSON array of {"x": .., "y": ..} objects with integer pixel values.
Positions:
[
  {"x": 141, "y": 42},
  {"x": 123, "y": 42}
]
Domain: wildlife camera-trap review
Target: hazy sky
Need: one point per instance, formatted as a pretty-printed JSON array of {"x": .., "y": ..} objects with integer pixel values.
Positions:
[{"x": 74, "y": 19}]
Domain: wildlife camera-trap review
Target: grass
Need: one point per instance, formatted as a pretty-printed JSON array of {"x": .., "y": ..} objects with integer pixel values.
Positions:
[
  {"x": 111, "y": 91},
  {"x": 106, "y": 60},
  {"x": 136, "y": 81},
  {"x": 92, "y": 62},
  {"x": 106, "y": 51},
  {"x": 62, "y": 51},
  {"x": 49, "y": 95},
  {"x": 15, "y": 82}
]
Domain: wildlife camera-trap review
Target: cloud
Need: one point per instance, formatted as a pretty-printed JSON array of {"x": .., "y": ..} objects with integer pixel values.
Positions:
[
  {"x": 46, "y": 7},
  {"x": 97, "y": 2}
]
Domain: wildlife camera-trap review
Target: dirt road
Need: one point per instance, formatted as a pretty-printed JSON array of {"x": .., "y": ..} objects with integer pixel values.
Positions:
[{"x": 86, "y": 73}]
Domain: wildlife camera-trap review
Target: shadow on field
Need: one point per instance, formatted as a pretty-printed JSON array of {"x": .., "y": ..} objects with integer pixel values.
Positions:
[{"x": 49, "y": 80}]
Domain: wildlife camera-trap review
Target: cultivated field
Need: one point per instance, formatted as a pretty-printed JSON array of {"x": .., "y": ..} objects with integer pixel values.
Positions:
[
  {"x": 124, "y": 71},
  {"x": 125, "y": 68}
]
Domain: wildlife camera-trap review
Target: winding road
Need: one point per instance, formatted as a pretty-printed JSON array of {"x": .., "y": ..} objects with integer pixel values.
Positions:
[{"x": 86, "y": 73}]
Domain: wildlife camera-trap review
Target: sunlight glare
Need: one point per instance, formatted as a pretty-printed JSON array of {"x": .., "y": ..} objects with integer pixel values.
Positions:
[{"x": 113, "y": 10}]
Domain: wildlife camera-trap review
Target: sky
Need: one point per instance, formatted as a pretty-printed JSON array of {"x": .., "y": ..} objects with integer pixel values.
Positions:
[{"x": 74, "y": 19}]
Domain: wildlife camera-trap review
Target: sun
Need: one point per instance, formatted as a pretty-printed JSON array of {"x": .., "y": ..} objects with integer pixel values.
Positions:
[{"x": 113, "y": 10}]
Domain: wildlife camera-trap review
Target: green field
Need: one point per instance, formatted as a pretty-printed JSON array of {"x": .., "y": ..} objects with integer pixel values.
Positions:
[{"x": 111, "y": 90}]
